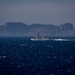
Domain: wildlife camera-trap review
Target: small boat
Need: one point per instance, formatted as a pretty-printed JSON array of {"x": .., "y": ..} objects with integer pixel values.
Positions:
[{"x": 39, "y": 38}]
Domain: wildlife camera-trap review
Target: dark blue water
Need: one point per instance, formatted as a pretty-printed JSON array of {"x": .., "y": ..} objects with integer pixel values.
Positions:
[{"x": 21, "y": 56}]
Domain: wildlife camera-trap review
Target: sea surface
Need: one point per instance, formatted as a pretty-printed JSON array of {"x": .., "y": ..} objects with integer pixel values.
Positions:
[{"x": 21, "y": 56}]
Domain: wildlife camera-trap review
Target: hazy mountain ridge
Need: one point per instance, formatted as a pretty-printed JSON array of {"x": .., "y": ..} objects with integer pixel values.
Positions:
[{"x": 21, "y": 29}]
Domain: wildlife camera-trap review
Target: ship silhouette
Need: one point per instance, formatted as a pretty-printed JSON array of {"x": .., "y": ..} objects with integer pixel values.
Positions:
[{"x": 39, "y": 38}]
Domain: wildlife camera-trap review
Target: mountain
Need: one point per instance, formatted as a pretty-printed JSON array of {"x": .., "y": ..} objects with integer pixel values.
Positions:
[{"x": 21, "y": 29}]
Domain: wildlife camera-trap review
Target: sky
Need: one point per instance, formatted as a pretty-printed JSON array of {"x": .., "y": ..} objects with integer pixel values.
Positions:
[{"x": 37, "y": 11}]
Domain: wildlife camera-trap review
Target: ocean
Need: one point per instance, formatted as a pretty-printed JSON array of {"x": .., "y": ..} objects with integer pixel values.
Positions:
[{"x": 21, "y": 56}]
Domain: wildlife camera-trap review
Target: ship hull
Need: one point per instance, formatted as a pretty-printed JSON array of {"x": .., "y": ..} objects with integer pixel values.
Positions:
[{"x": 45, "y": 39}]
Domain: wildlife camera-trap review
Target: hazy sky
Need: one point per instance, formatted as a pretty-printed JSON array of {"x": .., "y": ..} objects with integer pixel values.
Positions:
[{"x": 37, "y": 11}]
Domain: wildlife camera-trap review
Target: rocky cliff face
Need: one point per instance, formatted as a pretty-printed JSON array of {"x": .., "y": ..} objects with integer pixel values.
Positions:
[{"x": 21, "y": 29}]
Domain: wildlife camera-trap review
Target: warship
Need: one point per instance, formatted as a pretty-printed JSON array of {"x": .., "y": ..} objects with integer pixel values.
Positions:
[{"x": 39, "y": 38}]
